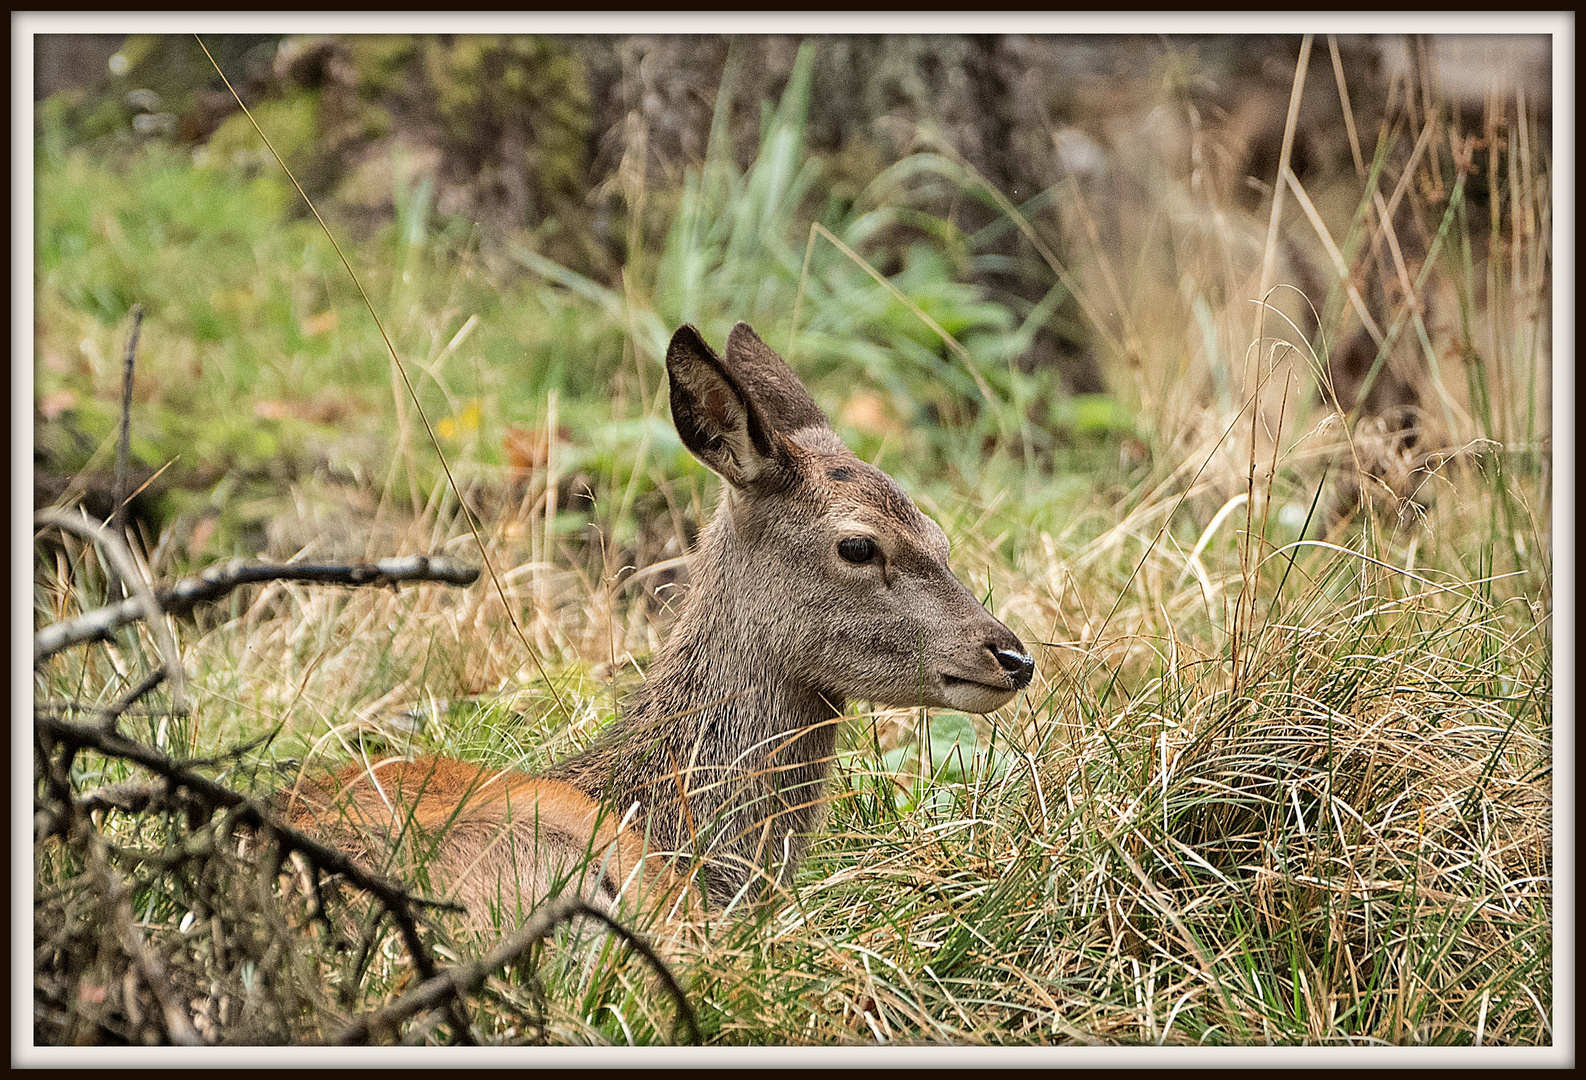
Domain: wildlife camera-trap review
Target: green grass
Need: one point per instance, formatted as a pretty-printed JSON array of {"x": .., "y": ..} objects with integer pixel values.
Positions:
[{"x": 1261, "y": 791}]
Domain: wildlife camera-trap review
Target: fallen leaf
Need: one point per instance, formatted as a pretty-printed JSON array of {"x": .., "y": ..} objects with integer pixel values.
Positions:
[
  {"x": 870, "y": 414},
  {"x": 272, "y": 409},
  {"x": 328, "y": 411},
  {"x": 322, "y": 411},
  {"x": 56, "y": 402},
  {"x": 528, "y": 448},
  {"x": 323, "y": 323},
  {"x": 200, "y": 535}
]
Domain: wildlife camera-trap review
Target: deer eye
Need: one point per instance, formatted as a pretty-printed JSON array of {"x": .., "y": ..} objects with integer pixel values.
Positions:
[{"x": 857, "y": 549}]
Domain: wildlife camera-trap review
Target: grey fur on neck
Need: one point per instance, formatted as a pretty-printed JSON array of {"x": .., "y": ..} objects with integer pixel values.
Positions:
[{"x": 724, "y": 750}]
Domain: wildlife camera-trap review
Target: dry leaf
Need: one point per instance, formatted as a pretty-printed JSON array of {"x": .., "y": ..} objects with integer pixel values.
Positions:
[
  {"x": 199, "y": 537},
  {"x": 323, "y": 323},
  {"x": 870, "y": 414},
  {"x": 56, "y": 402},
  {"x": 324, "y": 411},
  {"x": 527, "y": 448}
]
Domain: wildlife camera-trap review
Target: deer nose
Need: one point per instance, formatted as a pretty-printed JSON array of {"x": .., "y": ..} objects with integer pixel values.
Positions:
[{"x": 1019, "y": 666}]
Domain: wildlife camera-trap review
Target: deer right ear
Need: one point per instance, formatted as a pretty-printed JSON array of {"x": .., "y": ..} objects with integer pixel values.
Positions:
[{"x": 718, "y": 422}]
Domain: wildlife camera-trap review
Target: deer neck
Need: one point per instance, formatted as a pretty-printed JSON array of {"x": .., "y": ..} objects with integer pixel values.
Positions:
[
  {"x": 723, "y": 674},
  {"x": 725, "y": 749}
]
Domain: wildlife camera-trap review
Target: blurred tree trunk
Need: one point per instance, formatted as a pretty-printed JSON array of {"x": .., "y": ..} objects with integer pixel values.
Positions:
[{"x": 994, "y": 100}]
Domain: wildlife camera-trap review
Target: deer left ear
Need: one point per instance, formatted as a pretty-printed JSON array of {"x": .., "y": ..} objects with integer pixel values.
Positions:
[{"x": 718, "y": 421}]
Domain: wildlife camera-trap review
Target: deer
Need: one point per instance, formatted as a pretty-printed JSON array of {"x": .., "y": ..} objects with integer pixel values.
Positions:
[{"x": 817, "y": 582}]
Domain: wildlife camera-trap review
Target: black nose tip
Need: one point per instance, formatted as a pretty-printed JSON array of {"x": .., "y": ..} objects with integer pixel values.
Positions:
[{"x": 1018, "y": 666}]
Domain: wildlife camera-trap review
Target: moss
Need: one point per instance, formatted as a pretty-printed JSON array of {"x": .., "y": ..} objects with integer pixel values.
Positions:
[
  {"x": 294, "y": 127},
  {"x": 382, "y": 62},
  {"x": 510, "y": 115},
  {"x": 175, "y": 68},
  {"x": 487, "y": 89}
]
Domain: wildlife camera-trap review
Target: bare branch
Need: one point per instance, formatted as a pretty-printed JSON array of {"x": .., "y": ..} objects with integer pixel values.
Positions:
[
  {"x": 136, "y": 796},
  {"x": 177, "y": 1025},
  {"x": 130, "y": 797},
  {"x": 440, "y": 988},
  {"x": 143, "y": 604},
  {"x": 109, "y": 714},
  {"x": 118, "y": 516},
  {"x": 220, "y": 579},
  {"x": 134, "y": 695},
  {"x": 462, "y": 979}
]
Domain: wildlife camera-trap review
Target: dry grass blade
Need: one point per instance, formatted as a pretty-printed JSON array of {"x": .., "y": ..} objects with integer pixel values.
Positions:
[
  {"x": 468, "y": 513},
  {"x": 1337, "y": 257},
  {"x": 1269, "y": 252},
  {"x": 1059, "y": 270},
  {"x": 987, "y": 394}
]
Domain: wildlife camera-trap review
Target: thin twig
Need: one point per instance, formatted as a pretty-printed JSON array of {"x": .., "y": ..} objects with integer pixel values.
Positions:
[
  {"x": 251, "y": 812},
  {"x": 461, "y": 979},
  {"x": 142, "y": 604},
  {"x": 112, "y": 714},
  {"x": 220, "y": 579},
  {"x": 108, "y": 714},
  {"x": 118, "y": 517},
  {"x": 141, "y": 488},
  {"x": 177, "y": 1025}
]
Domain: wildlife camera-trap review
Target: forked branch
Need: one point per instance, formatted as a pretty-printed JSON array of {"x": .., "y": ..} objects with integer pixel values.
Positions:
[{"x": 441, "y": 988}]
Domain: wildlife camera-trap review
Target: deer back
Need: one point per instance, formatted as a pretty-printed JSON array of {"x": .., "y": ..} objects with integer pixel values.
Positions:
[{"x": 497, "y": 841}]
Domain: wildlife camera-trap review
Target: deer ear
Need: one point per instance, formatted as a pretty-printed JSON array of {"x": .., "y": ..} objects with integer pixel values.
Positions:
[
  {"x": 717, "y": 420},
  {"x": 770, "y": 383}
]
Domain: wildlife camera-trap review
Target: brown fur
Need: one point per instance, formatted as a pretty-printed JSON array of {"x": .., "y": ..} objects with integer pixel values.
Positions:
[
  {"x": 723, "y": 755},
  {"x": 499, "y": 840}
]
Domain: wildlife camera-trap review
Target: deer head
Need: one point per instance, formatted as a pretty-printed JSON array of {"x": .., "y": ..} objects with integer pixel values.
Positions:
[{"x": 830, "y": 570}]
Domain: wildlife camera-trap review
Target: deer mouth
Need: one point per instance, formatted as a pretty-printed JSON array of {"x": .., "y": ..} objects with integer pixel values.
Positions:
[
  {"x": 996, "y": 687},
  {"x": 973, "y": 695}
]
